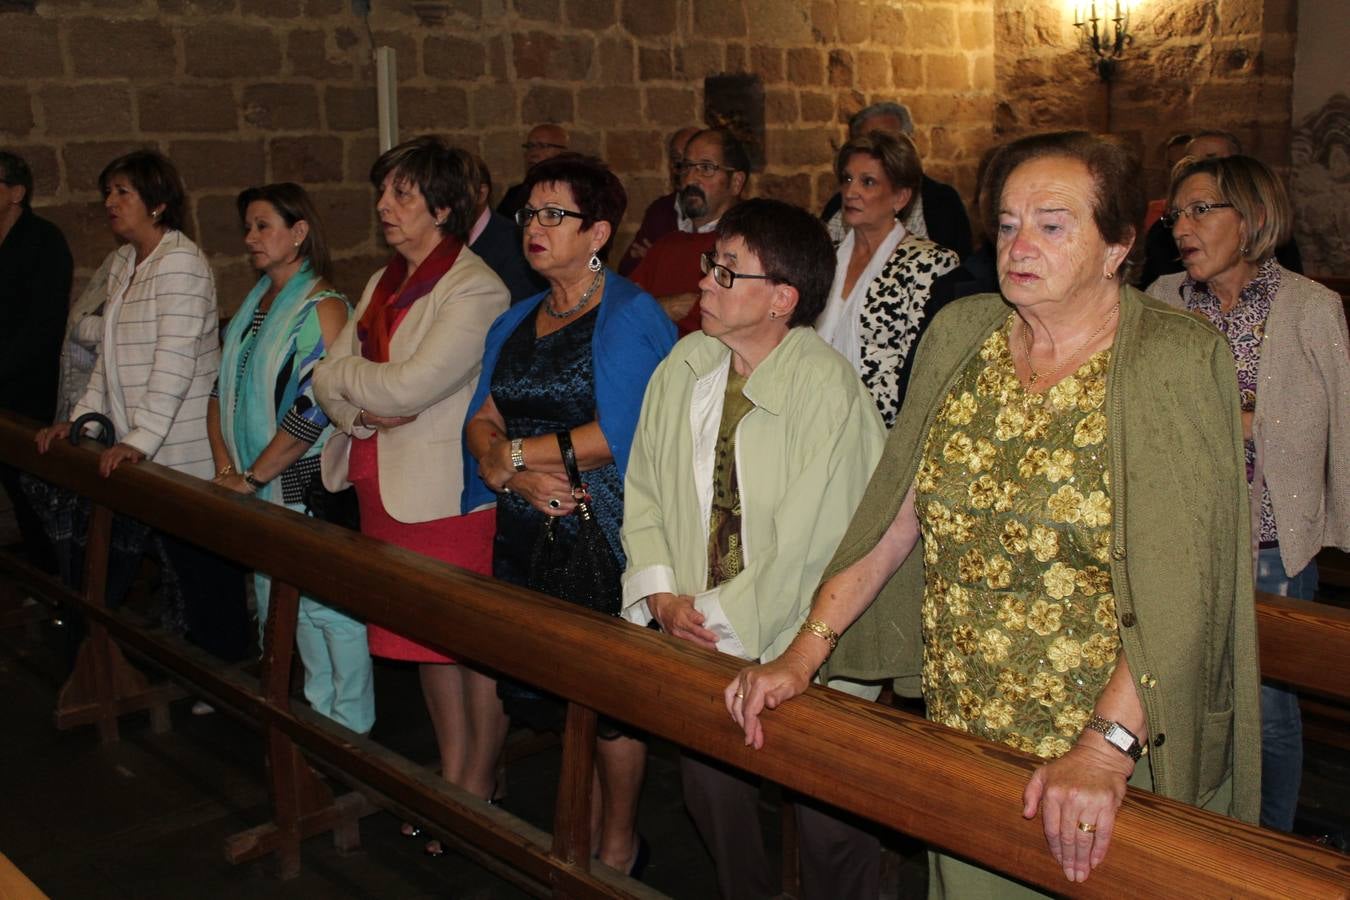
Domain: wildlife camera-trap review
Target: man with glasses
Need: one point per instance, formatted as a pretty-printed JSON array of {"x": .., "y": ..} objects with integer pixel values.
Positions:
[
  {"x": 780, "y": 438},
  {"x": 543, "y": 142},
  {"x": 663, "y": 215},
  {"x": 712, "y": 176}
]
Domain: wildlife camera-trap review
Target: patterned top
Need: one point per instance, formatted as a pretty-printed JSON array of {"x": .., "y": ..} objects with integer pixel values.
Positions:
[
  {"x": 1014, "y": 505},
  {"x": 725, "y": 557},
  {"x": 1245, "y": 328}
]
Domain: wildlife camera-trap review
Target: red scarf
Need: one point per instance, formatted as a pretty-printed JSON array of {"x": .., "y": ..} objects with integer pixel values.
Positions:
[{"x": 388, "y": 304}]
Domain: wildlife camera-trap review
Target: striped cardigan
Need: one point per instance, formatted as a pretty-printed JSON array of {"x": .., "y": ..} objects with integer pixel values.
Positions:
[{"x": 163, "y": 337}]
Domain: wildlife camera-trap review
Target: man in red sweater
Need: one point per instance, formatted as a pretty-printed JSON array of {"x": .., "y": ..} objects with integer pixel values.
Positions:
[{"x": 713, "y": 175}]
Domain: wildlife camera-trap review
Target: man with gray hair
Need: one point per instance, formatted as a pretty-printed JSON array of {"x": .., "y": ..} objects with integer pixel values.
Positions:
[{"x": 938, "y": 214}]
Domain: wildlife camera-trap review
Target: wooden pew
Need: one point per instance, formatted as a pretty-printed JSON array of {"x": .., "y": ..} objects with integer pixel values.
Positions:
[
  {"x": 14, "y": 885},
  {"x": 943, "y": 787}
]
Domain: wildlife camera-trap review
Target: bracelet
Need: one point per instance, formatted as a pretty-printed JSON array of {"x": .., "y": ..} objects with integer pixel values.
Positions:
[
  {"x": 253, "y": 482},
  {"x": 822, "y": 631},
  {"x": 518, "y": 454},
  {"x": 225, "y": 470}
]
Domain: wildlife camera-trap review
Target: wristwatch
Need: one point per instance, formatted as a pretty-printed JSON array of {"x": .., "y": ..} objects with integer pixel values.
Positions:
[
  {"x": 1118, "y": 736},
  {"x": 252, "y": 481},
  {"x": 518, "y": 454}
]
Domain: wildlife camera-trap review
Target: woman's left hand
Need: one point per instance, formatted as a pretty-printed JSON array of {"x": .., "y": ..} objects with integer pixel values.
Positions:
[
  {"x": 115, "y": 455},
  {"x": 1083, "y": 787},
  {"x": 383, "y": 423},
  {"x": 234, "y": 482},
  {"x": 542, "y": 490}
]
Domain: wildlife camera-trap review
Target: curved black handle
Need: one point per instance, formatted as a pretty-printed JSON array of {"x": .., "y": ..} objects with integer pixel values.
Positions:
[{"x": 106, "y": 436}]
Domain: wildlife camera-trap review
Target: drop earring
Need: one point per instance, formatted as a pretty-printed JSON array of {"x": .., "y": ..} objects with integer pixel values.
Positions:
[{"x": 595, "y": 265}]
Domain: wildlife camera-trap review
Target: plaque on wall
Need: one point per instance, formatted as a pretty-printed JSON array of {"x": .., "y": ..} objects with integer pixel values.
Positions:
[{"x": 736, "y": 102}]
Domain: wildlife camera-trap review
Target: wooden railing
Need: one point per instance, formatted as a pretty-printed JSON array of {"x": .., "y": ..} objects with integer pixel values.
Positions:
[{"x": 941, "y": 786}]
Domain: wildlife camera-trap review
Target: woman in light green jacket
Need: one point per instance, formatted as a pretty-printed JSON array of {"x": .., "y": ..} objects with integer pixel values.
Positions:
[{"x": 1074, "y": 469}]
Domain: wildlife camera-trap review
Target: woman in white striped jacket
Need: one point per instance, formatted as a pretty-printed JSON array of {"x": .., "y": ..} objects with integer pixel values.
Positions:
[{"x": 155, "y": 368}]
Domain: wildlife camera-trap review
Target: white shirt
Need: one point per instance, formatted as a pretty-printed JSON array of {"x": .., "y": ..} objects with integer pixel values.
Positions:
[{"x": 840, "y": 324}]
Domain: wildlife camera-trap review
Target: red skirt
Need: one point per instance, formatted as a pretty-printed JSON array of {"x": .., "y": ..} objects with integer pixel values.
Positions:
[{"x": 464, "y": 541}]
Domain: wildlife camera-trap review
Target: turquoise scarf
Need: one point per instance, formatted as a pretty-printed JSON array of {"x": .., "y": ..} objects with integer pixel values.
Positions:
[{"x": 248, "y": 418}]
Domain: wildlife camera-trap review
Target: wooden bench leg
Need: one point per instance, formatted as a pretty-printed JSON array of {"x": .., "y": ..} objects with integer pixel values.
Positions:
[{"x": 792, "y": 886}]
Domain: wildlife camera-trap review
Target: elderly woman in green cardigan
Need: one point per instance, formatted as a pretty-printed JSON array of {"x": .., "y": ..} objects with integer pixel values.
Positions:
[{"x": 1070, "y": 471}]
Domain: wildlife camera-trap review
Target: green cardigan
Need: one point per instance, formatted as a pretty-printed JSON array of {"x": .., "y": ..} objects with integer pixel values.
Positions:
[{"x": 1181, "y": 563}]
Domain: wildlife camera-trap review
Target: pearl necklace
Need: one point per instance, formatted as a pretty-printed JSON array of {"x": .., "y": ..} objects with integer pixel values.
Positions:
[
  {"x": 1026, "y": 348},
  {"x": 581, "y": 304}
]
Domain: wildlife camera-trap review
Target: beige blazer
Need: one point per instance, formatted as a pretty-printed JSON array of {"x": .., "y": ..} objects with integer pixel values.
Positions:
[{"x": 435, "y": 357}]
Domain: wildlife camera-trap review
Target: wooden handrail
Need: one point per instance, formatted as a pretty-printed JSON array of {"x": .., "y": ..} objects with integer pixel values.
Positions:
[{"x": 941, "y": 786}]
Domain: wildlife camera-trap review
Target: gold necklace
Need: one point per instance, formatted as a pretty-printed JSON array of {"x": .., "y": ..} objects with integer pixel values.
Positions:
[{"x": 1026, "y": 348}]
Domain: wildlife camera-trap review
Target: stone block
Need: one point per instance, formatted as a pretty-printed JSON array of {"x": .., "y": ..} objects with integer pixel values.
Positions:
[
  {"x": 737, "y": 58},
  {"x": 272, "y": 9},
  {"x": 466, "y": 140},
  {"x": 281, "y": 107},
  {"x": 609, "y": 107},
  {"x": 798, "y": 147},
  {"x": 349, "y": 108},
  {"x": 538, "y": 54},
  {"x": 16, "y": 112},
  {"x": 655, "y": 18},
  {"x": 32, "y": 47},
  {"x": 825, "y": 22},
  {"x": 351, "y": 273},
  {"x": 542, "y": 10},
  {"x": 306, "y": 160},
  {"x": 872, "y": 69},
  {"x": 698, "y": 59},
  {"x": 720, "y": 18},
  {"x": 889, "y": 27},
  {"x": 590, "y": 14},
  {"x": 767, "y": 63},
  {"x": 817, "y": 106},
  {"x": 430, "y": 109},
  {"x": 86, "y": 110},
  {"x": 120, "y": 48},
  {"x": 982, "y": 75},
  {"x": 361, "y": 155},
  {"x": 946, "y": 71},
  {"x": 841, "y": 68},
  {"x": 775, "y": 22},
  {"x": 234, "y": 279},
  {"x": 235, "y": 164},
  {"x": 348, "y": 215},
  {"x": 197, "y": 7},
  {"x": 805, "y": 67},
  {"x": 43, "y": 165},
  {"x": 195, "y": 108},
  {"x": 214, "y": 49},
  {"x": 827, "y": 185},
  {"x": 83, "y": 161},
  {"x": 935, "y": 26},
  {"x": 310, "y": 55},
  {"x": 907, "y": 70},
  {"x": 655, "y": 63},
  {"x": 670, "y": 106},
  {"x": 218, "y": 225},
  {"x": 85, "y": 225},
  {"x": 854, "y": 18},
  {"x": 977, "y": 29},
  {"x": 492, "y": 104},
  {"x": 634, "y": 151},
  {"x": 848, "y": 103},
  {"x": 616, "y": 59},
  {"x": 780, "y": 106},
  {"x": 497, "y": 57},
  {"x": 546, "y": 104},
  {"x": 317, "y": 9},
  {"x": 453, "y": 58},
  {"x": 794, "y": 189},
  {"x": 405, "y": 46}
]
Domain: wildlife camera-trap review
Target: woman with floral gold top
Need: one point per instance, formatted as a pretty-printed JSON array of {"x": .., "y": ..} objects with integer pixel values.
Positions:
[{"x": 1055, "y": 617}]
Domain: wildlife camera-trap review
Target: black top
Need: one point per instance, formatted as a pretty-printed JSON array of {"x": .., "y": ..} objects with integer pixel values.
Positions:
[
  {"x": 499, "y": 247},
  {"x": 1161, "y": 257},
  {"x": 944, "y": 215},
  {"x": 35, "y": 276}
]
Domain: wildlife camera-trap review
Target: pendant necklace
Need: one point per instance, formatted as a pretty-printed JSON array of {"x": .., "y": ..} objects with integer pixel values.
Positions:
[{"x": 1026, "y": 348}]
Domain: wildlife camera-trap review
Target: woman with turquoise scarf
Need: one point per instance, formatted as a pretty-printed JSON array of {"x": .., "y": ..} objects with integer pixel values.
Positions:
[{"x": 267, "y": 431}]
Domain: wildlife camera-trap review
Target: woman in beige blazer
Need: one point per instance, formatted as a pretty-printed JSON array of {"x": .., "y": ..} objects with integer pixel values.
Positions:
[{"x": 396, "y": 386}]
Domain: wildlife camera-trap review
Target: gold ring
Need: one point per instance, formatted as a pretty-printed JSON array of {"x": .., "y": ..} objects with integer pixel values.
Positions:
[{"x": 1086, "y": 827}]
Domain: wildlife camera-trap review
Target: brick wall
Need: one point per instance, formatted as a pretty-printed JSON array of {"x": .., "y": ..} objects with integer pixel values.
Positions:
[{"x": 241, "y": 92}]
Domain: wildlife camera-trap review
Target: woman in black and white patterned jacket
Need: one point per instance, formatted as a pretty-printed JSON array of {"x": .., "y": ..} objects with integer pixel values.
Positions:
[{"x": 881, "y": 299}]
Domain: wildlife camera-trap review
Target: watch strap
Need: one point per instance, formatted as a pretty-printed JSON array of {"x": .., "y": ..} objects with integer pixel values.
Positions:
[{"x": 1118, "y": 736}]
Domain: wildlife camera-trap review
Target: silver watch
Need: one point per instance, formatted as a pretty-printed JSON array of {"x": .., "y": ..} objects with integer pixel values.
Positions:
[
  {"x": 518, "y": 454},
  {"x": 1118, "y": 736}
]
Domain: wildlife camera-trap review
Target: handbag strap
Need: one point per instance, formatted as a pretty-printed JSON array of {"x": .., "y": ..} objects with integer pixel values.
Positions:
[{"x": 569, "y": 458}]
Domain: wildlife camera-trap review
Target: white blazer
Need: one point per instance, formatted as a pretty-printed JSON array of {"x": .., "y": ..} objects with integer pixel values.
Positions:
[{"x": 435, "y": 356}]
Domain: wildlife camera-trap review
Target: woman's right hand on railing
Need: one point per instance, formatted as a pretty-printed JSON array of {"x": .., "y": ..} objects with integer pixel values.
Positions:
[
  {"x": 762, "y": 687},
  {"x": 550, "y": 494},
  {"x": 45, "y": 436}
]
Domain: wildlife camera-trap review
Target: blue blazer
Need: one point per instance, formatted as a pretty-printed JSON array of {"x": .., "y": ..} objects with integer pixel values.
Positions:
[{"x": 632, "y": 335}]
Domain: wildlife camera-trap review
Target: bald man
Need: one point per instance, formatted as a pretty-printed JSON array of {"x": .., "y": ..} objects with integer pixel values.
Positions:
[
  {"x": 664, "y": 214},
  {"x": 543, "y": 142}
]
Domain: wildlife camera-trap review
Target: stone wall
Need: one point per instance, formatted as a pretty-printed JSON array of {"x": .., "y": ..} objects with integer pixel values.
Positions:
[{"x": 241, "y": 92}]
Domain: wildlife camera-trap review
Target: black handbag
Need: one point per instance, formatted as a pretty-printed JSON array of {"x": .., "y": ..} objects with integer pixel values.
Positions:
[
  {"x": 586, "y": 572},
  {"x": 338, "y": 507}
]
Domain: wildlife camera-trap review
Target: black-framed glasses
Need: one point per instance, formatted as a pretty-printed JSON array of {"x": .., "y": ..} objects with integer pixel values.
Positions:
[
  {"x": 549, "y": 216},
  {"x": 1196, "y": 211},
  {"x": 721, "y": 274},
  {"x": 541, "y": 145},
  {"x": 703, "y": 167}
]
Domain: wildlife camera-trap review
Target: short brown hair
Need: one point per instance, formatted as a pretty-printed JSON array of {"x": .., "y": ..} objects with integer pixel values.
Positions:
[
  {"x": 293, "y": 205},
  {"x": 898, "y": 157},
  {"x": 1257, "y": 195},
  {"x": 156, "y": 180},
  {"x": 446, "y": 176},
  {"x": 1118, "y": 201}
]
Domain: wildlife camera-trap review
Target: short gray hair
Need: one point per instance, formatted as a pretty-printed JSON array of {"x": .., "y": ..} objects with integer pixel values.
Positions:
[{"x": 884, "y": 108}]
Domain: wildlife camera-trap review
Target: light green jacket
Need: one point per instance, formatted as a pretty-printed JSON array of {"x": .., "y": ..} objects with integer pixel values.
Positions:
[
  {"x": 803, "y": 454},
  {"x": 1180, "y": 558}
]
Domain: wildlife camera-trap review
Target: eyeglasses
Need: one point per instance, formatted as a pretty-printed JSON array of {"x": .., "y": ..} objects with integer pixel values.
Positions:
[
  {"x": 549, "y": 216},
  {"x": 721, "y": 274},
  {"x": 706, "y": 169},
  {"x": 540, "y": 145},
  {"x": 1196, "y": 211}
]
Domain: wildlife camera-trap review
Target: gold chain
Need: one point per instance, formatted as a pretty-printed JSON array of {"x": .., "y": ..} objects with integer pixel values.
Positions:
[{"x": 1026, "y": 348}]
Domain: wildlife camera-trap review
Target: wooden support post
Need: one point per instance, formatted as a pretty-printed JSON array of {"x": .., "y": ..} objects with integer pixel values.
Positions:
[
  {"x": 792, "y": 878},
  {"x": 572, "y": 813}
]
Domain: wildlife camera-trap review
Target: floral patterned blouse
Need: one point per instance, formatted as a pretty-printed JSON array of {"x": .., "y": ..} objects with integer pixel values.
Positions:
[{"x": 1014, "y": 504}]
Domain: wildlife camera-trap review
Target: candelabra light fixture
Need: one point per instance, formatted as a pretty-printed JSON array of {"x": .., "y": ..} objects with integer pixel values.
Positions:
[{"x": 1104, "y": 34}]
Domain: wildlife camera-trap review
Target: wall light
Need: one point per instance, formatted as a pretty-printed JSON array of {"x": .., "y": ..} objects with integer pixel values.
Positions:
[{"x": 1104, "y": 35}]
